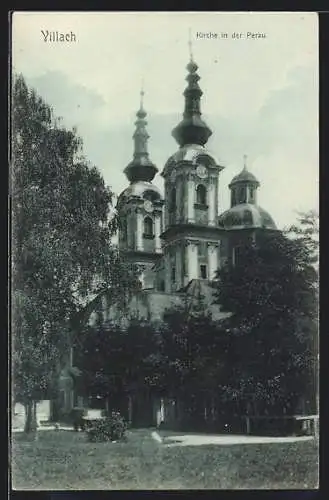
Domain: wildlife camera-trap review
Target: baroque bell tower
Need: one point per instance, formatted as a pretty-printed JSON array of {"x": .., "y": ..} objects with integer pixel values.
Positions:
[
  {"x": 140, "y": 208},
  {"x": 191, "y": 237}
]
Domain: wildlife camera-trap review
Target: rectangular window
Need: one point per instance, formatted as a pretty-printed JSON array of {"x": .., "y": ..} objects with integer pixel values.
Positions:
[
  {"x": 161, "y": 286},
  {"x": 236, "y": 255},
  {"x": 173, "y": 274},
  {"x": 202, "y": 249},
  {"x": 203, "y": 271}
]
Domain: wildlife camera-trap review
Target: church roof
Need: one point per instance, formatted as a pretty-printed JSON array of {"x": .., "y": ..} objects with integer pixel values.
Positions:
[
  {"x": 246, "y": 215},
  {"x": 201, "y": 289},
  {"x": 152, "y": 304}
]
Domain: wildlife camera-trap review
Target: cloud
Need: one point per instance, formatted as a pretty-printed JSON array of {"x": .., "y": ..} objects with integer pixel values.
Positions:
[{"x": 260, "y": 97}]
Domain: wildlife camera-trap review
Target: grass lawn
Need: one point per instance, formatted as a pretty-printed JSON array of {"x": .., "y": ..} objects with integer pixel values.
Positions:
[{"x": 61, "y": 460}]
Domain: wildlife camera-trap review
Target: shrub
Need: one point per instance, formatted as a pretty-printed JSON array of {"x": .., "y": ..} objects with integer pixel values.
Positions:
[{"x": 111, "y": 428}]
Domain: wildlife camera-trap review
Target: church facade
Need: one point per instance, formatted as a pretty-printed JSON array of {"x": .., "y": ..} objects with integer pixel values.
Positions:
[{"x": 181, "y": 237}]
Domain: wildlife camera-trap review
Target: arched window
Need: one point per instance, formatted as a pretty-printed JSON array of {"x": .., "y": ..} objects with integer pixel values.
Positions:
[
  {"x": 173, "y": 199},
  {"x": 201, "y": 195},
  {"x": 242, "y": 195},
  {"x": 251, "y": 194},
  {"x": 233, "y": 197},
  {"x": 148, "y": 227},
  {"x": 247, "y": 217}
]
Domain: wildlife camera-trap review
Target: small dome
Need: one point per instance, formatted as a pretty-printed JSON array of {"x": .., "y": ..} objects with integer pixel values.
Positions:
[
  {"x": 244, "y": 176},
  {"x": 141, "y": 189},
  {"x": 245, "y": 216},
  {"x": 193, "y": 153}
]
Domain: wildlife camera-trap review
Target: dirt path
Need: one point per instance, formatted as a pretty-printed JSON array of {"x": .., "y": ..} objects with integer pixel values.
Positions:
[{"x": 199, "y": 439}]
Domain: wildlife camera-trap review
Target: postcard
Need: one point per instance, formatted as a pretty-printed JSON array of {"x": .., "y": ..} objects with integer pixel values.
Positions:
[{"x": 164, "y": 254}]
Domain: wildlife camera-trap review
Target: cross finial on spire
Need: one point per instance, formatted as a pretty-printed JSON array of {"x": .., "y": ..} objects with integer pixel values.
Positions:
[
  {"x": 190, "y": 44},
  {"x": 245, "y": 157},
  {"x": 142, "y": 93}
]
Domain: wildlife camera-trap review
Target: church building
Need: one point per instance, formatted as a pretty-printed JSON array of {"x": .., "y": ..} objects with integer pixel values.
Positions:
[{"x": 181, "y": 237}]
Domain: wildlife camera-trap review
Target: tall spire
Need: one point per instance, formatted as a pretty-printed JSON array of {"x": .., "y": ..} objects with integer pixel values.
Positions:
[
  {"x": 190, "y": 44},
  {"x": 141, "y": 168},
  {"x": 192, "y": 129},
  {"x": 142, "y": 93},
  {"x": 245, "y": 157}
]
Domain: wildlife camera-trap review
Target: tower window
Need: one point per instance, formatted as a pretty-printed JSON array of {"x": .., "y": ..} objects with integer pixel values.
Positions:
[
  {"x": 201, "y": 195},
  {"x": 172, "y": 199},
  {"x": 236, "y": 255},
  {"x": 242, "y": 195},
  {"x": 233, "y": 197},
  {"x": 148, "y": 227},
  {"x": 203, "y": 271}
]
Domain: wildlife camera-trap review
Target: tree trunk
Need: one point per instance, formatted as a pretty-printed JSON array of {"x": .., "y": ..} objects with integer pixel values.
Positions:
[
  {"x": 30, "y": 417},
  {"x": 130, "y": 410}
]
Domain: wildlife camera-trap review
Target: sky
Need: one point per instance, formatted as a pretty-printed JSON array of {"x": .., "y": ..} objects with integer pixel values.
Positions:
[{"x": 260, "y": 95}]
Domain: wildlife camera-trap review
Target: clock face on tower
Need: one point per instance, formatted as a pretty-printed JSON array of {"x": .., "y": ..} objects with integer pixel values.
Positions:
[
  {"x": 201, "y": 171},
  {"x": 148, "y": 206}
]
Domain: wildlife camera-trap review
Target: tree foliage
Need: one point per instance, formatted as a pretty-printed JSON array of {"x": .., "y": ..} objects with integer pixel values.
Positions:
[
  {"x": 261, "y": 359},
  {"x": 272, "y": 293},
  {"x": 190, "y": 344},
  {"x": 116, "y": 361},
  {"x": 62, "y": 255}
]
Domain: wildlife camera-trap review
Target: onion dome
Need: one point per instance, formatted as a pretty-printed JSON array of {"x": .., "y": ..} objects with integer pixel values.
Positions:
[
  {"x": 246, "y": 216},
  {"x": 141, "y": 168},
  {"x": 192, "y": 129}
]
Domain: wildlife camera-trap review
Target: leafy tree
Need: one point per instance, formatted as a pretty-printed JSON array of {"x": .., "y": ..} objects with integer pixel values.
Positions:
[
  {"x": 272, "y": 293},
  {"x": 192, "y": 356},
  {"x": 117, "y": 361},
  {"x": 62, "y": 255}
]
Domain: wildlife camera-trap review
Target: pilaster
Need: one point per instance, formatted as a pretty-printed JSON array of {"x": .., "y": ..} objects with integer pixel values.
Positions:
[
  {"x": 178, "y": 266},
  {"x": 190, "y": 200},
  {"x": 157, "y": 230},
  {"x": 212, "y": 204},
  {"x": 212, "y": 260},
  {"x": 192, "y": 253},
  {"x": 139, "y": 231},
  {"x": 167, "y": 271}
]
